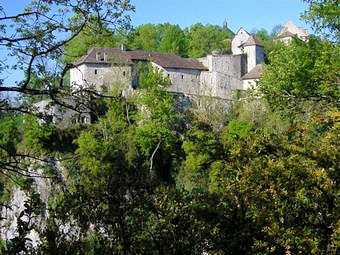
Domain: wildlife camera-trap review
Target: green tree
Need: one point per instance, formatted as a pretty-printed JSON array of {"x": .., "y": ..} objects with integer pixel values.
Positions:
[
  {"x": 203, "y": 40},
  {"x": 145, "y": 37},
  {"x": 93, "y": 35},
  {"x": 173, "y": 40},
  {"x": 324, "y": 17},
  {"x": 301, "y": 71}
]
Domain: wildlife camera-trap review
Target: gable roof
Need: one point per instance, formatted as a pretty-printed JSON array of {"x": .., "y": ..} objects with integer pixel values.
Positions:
[
  {"x": 291, "y": 29},
  {"x": 285, "y": 34},
  {"x": 252, "y": 40},
  {"x": 241, "y": 28},
  {"x": 254, "y": 73},
  {"x": 127, "y": 57},
  {"x": 114, "y": 55}
]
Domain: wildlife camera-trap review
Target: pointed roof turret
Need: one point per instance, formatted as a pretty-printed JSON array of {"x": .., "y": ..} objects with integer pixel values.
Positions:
[
  {"x": 254, "y": 73},
  {"x": 252, "y": 40}
]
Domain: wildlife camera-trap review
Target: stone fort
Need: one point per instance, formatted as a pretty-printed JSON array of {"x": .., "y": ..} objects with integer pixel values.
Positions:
[
  {"x": 213, "y": 75},
  {"x": 216, "y": 76}
]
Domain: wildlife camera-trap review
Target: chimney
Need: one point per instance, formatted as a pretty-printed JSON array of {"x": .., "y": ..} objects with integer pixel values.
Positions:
[
  {"x": 98, "y": 56},
  {"x": 123, "y": 47}
]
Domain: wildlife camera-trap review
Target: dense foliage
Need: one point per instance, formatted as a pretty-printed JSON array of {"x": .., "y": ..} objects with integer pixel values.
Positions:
[
  {"x": 196, "y": 41},
  {"x": 149, "y": 177}
]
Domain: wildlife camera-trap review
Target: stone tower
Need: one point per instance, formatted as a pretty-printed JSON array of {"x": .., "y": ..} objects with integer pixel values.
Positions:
[{"x": 255, "y": 52}]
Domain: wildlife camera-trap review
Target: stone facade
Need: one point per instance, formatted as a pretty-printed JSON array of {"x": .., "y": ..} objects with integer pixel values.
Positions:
[
  {"x": 290, "y": 30},
  {"x": 183, "y": 81},
  {"x": 100, "y": 74},
  {"x": 223, "y": 75},
  {"x": 213, "y": 75},
  {"x": 216, "y": 76}
]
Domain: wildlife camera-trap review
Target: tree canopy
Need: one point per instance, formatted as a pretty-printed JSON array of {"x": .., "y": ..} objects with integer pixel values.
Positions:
[{"x": 148, "y": 177}]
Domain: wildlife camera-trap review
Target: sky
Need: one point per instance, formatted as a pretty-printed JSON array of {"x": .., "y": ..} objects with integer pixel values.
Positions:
[{"x": 248, "y": 14}]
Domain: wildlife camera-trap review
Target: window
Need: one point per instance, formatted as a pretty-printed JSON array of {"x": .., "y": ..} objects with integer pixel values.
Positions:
[
  {"x": 124, "y": 73},
  {"x": 95, "y": 71},
  {"x": 168, "y": 75},
  {"x": 182, "y": 76},
  {"x": 83, "y": 120}
]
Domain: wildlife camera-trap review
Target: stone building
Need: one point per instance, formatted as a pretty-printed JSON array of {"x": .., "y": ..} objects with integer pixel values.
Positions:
[
  {"x": 290, "y": 30},
  {"x": 217, "y": 76},
  {"x": 214, "y": 75}
]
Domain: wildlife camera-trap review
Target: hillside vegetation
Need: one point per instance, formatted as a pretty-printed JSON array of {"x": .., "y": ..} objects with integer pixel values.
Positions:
[{"x": 146, "y": 178}]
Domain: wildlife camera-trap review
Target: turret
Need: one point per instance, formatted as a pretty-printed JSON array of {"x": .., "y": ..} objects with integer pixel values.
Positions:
[{"x": 255, "y": 52}]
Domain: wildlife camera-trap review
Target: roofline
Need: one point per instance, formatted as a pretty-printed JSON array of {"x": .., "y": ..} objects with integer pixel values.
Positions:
[
  {"x": 239, "y": 31},
  {"x": 148, "y": 58},
  {"x": 190, "y": 68}
]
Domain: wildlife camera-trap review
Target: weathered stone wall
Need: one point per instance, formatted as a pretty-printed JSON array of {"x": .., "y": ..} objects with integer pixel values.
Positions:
[
  {"x": 223, "y": 76},
  {"x": 108, "y": 75},
  {"x": 185, "y": 81},
  {"x": 62, "y": 117},
  {"x": 102, "y": 74}
]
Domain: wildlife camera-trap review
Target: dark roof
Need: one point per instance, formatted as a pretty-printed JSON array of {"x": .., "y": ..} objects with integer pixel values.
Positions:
[
  {"x": 240, "y": 30},
  {"x": 252, "y": 40},
  {"x": 119, "y": 56},
  {"x": 113, "y": 55},
  {"x": 285, "y": 34},
  {"x": 254, "y": 73}
]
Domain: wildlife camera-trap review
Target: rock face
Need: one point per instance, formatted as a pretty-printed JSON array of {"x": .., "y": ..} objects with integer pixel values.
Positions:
[{"x": 16, "y": 212}]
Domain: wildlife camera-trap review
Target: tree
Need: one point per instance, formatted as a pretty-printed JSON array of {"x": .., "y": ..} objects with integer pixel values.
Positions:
[
  {"x": 301, "y": 71},
  {"x": 145, "y": 37},
  {"x": 115, "y": 192},
  {"x": 37, "y": 36},
  {"x": 324, "y": 17},
  {"x": 276, "y": 30},
  {"x": 93, "y": 35},
  {"x": 36, "y": 39},
  {"x": 165, "y": 37},
  {"x": 203, "y": 40},
  {"x": 173, "y": 40},
  {"x": 262, "y": 34}
]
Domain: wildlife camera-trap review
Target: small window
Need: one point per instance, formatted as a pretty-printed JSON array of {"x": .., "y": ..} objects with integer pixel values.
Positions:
[
  {"x": 182, "y": 76},
  {"x": 124, "y": 73},
  {"x": 83, "y": 119},
  {"x": 95, "y": 71}
]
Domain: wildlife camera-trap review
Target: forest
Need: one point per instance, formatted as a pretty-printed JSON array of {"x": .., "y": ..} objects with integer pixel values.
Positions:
[{"x": 148, "y": 178}]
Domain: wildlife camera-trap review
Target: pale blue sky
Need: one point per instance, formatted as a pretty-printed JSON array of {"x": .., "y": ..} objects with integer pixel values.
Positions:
[{"x": 246, "y": 13}]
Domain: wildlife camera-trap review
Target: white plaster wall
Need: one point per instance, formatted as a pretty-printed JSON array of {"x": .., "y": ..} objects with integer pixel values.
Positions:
[
  {"x": 251, "y": 56},
  {"x": 77, "y": 77},
  {"x": 255, "y": 55},
  {"x": 240, "y": 38}
]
